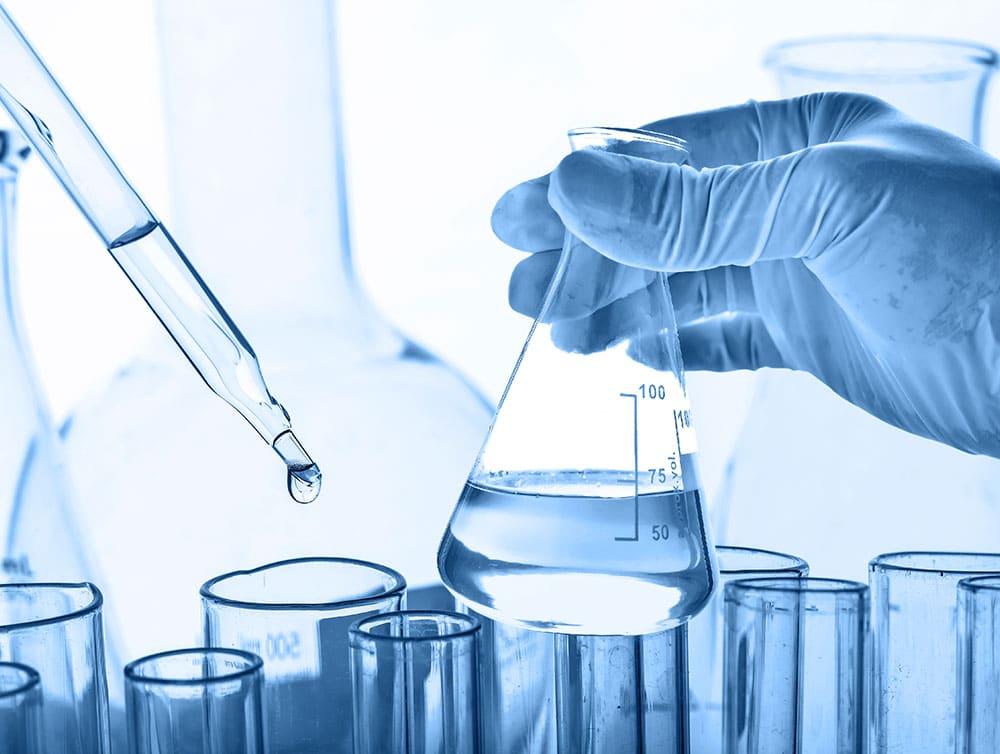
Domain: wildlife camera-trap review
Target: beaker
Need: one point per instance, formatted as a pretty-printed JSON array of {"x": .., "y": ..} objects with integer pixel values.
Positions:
[
  {"x": 978, "y": 682},
  {"x": 583, "y": 513},
  {"x": 259, "y": 204},
  {"x": 416, "y": 682},
  {"x": 795, "y": 666},
  {"x": 797, "y": 430},
  {"x": 20, "y": 709},
  {"x": 296, "y": 615},
  {"x": 706, "y": 632},
  {"x": 914, "y": 647},
  {"x": 203, "y": 701},
  {"x": 56, "y": 629}
]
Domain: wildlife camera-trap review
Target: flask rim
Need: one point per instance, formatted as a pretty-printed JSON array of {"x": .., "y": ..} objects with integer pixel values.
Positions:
[
  {"x": 396, "y": 587},
  {"x": 632, "y": 134},
  {"x": 965, "y": 56}
]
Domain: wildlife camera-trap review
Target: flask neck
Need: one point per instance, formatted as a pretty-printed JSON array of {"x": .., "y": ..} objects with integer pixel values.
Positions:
[
  {"x": 256, "y": 163},
  {"x": 16, "y": 373}
]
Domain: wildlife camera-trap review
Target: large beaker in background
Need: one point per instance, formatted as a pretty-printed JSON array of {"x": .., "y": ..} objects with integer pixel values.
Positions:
[
  {"x": 811, "y": 471},
  {"x": 175, "y": 490}
]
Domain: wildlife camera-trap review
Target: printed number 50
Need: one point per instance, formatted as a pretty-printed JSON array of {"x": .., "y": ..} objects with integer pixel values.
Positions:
[{"x": 660, "y": 532}]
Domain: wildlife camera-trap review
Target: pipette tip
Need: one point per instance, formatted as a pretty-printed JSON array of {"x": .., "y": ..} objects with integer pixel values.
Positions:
[{"x": 304, "y": 477}]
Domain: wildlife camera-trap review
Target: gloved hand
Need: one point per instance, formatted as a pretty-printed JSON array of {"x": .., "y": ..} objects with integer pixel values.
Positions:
[{"x": 828, "y": 233}]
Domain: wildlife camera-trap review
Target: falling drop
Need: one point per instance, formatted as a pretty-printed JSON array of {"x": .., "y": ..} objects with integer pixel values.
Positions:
[
  {"x": 304, "y": 477},
  {"x": 304, "y": 483}
]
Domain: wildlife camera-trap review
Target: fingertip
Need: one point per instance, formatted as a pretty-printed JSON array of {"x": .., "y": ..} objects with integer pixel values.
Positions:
[
  {"x": 589, "y": 181},
  {"x": 523, "y": 219}
]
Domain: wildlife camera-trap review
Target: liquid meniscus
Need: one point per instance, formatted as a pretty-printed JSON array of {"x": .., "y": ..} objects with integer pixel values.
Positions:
[{"x": 578, "y": 553}]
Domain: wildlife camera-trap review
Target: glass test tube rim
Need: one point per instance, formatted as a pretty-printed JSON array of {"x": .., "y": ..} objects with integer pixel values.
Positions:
[
  {"x": 884, "y": 562},
  {"x": 989, "y": 582},
  {"x": 31, "y": 679},
  {"x": 969, "y": 56},
  {"x": 255, "y": 663},
  {"x": 634, "y": 134},
  {"x": 358, "y": 632},
  {"x": 396, "y": 589},
  {"x": 811, "y": 585},
  {"x": 94, "y": 606},
  {"x": 794, "y": 562}
]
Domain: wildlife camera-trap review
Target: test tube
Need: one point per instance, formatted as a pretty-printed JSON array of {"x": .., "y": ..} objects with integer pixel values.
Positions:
[
  {"x": 914, "y": 657},
  {"x": 195, "y": 700},
  {"x": 705, "y": 633},
  {"x": 978, "y": 691},
  {"x": 296, "y": 615},
  {"x": 415, "y": 677},
  {"x": 795, "y": 666},
  {"x": 57, "y": 630},
  {"x": 622, "y": 693},
  {"x": 20, "y": 709},
  {"x": 517, "y": 689}
]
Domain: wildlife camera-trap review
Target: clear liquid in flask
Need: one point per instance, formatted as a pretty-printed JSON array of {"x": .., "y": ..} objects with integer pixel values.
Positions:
[
  {"x": 583, "y": 512},
  {"x": 573, "y": 562}
]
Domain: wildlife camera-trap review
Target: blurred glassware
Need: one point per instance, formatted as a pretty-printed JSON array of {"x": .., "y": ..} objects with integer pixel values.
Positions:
[
  {"x": 195, "y": 701},
  {"x": 259, "y": 200},
  {"x": 914, "y": 647},
  {"x": 56, "y": 629},
  {"x": 415, "y": 678},
  {"x": 798, "y": 431},
  {"x": 20, "y": 709},
  {"x": 705, "y": 638},
  {"x": 43, "y": 539},
  {"x": 296, "y": 615},
  {"x": 795, "y": 666},
  {"x": 978, "y": 702}
]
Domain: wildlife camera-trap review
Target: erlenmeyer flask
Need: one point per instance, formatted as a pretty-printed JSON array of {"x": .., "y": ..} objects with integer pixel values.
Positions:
[
  {"x": 42, "y": 538},
  {"x": 583, "y": 512},
  {"x": 258, "y": 201},
  {"x": 810, "y": 469}
]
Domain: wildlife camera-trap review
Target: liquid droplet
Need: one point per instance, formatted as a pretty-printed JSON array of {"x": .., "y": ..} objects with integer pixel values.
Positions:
[
  {"x": 304, "y": 482},
  {"x": 304, "y": 476}
]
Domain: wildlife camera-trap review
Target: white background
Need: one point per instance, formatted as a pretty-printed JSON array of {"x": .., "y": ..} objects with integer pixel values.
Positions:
[{"x": 447, "y": 103}]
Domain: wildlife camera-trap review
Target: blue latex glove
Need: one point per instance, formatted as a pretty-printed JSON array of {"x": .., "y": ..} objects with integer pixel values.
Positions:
[{"x": 829, "y": 233}]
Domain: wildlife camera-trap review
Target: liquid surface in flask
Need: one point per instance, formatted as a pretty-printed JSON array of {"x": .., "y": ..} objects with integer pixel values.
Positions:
[
  {"x": 578, "y": 552},
  {"x": 583, "y": 512}
]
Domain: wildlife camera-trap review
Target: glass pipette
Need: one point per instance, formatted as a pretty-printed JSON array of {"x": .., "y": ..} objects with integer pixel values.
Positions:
[{"x": 145, "y": 251}]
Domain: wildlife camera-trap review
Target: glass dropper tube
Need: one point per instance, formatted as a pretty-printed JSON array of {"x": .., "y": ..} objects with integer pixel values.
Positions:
[{"x": 146, "y": 252}]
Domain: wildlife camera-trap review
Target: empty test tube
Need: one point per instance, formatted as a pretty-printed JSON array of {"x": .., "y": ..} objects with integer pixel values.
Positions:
[
  {"x": 195, "y": 700},
  {"x": 914, "y": 653},
  {"x": 20, "y": 709},
  {"x": 978, "y": 684},
  {"x": 795, "y": 666},
  {"x": 415, "y": 677}
]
